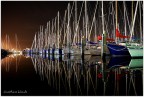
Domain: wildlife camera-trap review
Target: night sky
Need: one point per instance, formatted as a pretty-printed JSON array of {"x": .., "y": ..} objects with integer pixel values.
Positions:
[{"x": 25, "y": 17}]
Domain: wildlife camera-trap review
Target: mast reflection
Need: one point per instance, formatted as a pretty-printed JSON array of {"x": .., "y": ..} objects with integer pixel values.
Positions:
[
  {"x": 84, "y": 75},
  {"x": 88, "y": 75}
]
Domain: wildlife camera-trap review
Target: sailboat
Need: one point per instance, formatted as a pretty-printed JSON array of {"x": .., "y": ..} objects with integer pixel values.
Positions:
[
  {"x": 126, "y": 49},
  {"x": 135, "y": 49},
  {"x": 115, "y": 49},
  {"x": 118, "y": 50}
]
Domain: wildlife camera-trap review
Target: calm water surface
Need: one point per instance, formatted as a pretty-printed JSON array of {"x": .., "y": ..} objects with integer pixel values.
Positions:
[{"x": 45, "y": 75}]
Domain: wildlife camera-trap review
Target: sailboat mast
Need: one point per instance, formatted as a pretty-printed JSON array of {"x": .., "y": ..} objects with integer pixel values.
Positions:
[
  {"x": 49, "y": 38},
  {"x": 125, "y": 20},
  {"x": 52, "y": 39},
  {"x": 58, "y": 31},
  {"x": 93, "y": 21},
  {"x": 46, "y": 36},
  {"x": 42, "y": 38},
  {"x": 35, "y": 43},
  {"x": 86, "y": 20},
  {"x": 131, "y": 32},
  {"x": 103, "y": 49},
  {"x": 76, "y": 20},
  {"x": 95, "y": 30},
  {"x": 55, "y": 32},
  {"x": 68, "y": 31},
  {"x": 132, "y": 12},
  {"x": 116, "y": 15},
  {"x": 102, "y": 18},
  {"x": 132, "y": 15},
  {"x": 64, "y": 24},
  {"x": 32, "y": 46},
  {"x": 140, "y": 23},
  {"x": 116, "y": 18},
  {"x": 114, "y": 35}
]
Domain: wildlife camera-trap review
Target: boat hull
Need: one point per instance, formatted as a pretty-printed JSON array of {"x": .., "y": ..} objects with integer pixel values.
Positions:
[
  {"x": 118, "y": 50},
  {"x": 135, "y": 53}
]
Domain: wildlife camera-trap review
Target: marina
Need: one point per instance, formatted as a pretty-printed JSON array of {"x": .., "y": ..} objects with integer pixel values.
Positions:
[
  {"x": 75, "y": 76},
  {"x": 72, "y": 48}
]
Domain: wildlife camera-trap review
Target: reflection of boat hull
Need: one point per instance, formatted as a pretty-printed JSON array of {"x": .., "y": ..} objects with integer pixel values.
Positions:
[
  {"x": 136, "y": 63},
  {"x": 118, "y": 62},
  {"x": 118, "y": 50},
  {"x": 77, "y": 58}
]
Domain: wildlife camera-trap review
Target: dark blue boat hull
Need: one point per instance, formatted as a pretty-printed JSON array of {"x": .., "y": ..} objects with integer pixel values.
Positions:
[{"x": 118, "y": 50}]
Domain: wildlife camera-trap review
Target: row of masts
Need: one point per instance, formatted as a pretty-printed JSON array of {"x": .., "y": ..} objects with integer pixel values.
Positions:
[{"x": 67, "y": 31}]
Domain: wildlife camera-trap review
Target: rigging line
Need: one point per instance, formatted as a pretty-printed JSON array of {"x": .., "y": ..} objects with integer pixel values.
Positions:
[
  {"x": 132, "y": 28},
  {"x": 93, "y": 19},
  {"x": 71, "y": 11},
  {"x": 78, "y": 20}
]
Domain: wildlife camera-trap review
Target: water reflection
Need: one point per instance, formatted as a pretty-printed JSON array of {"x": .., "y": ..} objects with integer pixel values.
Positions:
[
  {"x": 84, "y": 73},
  {"x": 10, "y": 60},
  {"x": 89, "y": 75}
]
